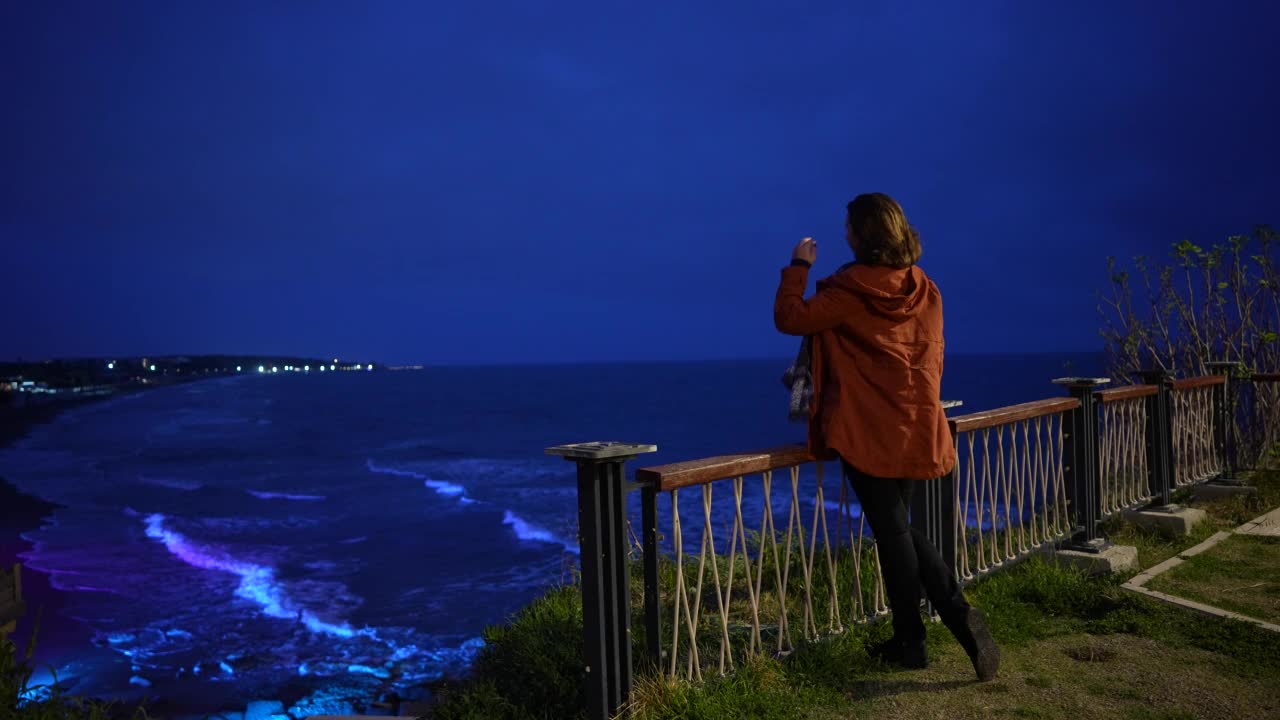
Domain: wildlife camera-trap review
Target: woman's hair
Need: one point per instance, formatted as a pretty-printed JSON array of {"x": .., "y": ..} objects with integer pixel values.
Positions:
[{"x": 882, "y": 233}]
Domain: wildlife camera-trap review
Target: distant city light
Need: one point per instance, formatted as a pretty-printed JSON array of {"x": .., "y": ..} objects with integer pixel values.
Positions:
[
  {"x": 322, "y": 368},
  {"x": 306, "y": 368},
  {"x": 261, "y": 368},
  {"x": 275, "y": 369},
  {"x": 287, "y": 368},
  {"x": 111, "y": 366},
  {"x": 333, "y": 367},
  {"x": 335, "y": 360},
  {"x": 153, "y": 368},
  {"x": 370, "y": 366},
  {"x": 237, "y": 368}
]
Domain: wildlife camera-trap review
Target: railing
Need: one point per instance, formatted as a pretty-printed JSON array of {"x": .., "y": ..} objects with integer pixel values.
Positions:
[
  {"x": 1195, "y": 437},
  {"x": 1009, "y": 490},
  {"x": 766, "y": 574},
  {"x": 778, "y": 562},
  {"x": 1123, "y": 447}
]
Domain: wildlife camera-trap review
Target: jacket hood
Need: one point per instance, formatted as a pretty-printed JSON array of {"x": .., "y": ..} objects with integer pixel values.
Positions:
[{"x": 894, "y": 293}]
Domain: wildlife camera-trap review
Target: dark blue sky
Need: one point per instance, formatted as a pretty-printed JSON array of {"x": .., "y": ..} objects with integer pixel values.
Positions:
[{"x": 472, "y": 182}]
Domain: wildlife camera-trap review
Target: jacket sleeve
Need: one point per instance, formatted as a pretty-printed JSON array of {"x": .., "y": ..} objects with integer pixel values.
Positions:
[{"x": 793, "y": 315}]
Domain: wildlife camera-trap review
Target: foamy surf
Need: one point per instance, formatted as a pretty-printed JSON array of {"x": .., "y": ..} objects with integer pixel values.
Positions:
[
  {"x": 441, "y": 487},
  {"x": 527, "y": 531},
  {"x": 172, "y": 483},
  {"x": 392, "y": 471},
  {"x": 264, "y": 495},
  {"x": 523, "y": 529},
  {"x": 258, "y": 583}
]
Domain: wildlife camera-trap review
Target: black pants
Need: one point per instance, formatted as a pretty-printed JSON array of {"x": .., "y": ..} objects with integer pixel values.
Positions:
[{"x": 907, "y": 558}]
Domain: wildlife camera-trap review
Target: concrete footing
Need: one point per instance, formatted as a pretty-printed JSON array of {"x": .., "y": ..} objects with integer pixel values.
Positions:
[
  {"x": 1169, "y": 520},
  {"x": 1222, "y": 488},
  {"x": 1109, "y": 559}
]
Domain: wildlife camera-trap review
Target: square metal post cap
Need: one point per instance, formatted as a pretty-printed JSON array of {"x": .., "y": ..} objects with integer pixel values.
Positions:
[
  {"x": 600, "y": 450},
  {"x": 1081, "y": 381}
]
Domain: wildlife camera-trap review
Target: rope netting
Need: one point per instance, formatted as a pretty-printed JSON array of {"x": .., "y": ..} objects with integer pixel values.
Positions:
[
  {"x": 1195, "y": 452},
  {"x": 1009, "y": 493},
  {"x": 756, "y": 589},
  {"x": 1122, "y": 454}
]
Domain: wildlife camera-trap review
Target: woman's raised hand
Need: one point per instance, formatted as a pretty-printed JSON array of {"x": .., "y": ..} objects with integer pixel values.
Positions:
[{"x": 807, "y": 250}]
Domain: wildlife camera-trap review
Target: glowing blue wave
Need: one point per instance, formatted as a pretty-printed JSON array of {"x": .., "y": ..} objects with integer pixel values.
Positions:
[
  {"x": 258, "y": 583},
  {"x": 447, "y": 489},
  {"x": 283, "y": 496},
  {"x": 526, "y": 530},
  {"x": 523, "y": 529}
]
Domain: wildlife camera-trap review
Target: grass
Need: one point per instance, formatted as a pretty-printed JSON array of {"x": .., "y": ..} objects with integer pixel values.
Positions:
[
  {"x": 529, "y": 668},
  {"x": 20, "y": 700},
  {"x": 1241, "y": 573},
  {"x": 1225, "y": 514},
  {"x": 1072, "y": 645}
]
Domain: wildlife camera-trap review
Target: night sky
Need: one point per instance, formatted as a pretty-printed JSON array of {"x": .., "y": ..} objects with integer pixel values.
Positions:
[{"x": 469, "y": 182}]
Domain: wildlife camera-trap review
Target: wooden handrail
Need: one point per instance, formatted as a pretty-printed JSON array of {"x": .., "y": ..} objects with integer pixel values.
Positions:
[
  {"x": 722, "y": 467},
  {"x": 1265, "y": 377},
  {"x": 1192, "y": 383},
  {"x": 1126, "y": 392},
  {"x": 674, "y": 476},
  {"x": 1013, "y": 413}
]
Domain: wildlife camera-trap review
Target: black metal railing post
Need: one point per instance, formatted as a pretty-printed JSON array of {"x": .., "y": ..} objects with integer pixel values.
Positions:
[
  {"x": 649, "y": 538},
  {"x": 933, "y": 507},
  {"x": 1160, "y": 436},
  {"x": 1081, "y": 464},
  {"x": 933, "y": 512},
  {"x": 1224, "y": 416},
  {"x": 606, "y": 596}
]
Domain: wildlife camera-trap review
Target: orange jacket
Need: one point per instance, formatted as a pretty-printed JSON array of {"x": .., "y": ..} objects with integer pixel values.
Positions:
[{"x": 877, "y": 367}]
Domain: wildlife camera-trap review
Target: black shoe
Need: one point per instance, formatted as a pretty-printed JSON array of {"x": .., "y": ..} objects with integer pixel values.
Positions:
[
  {"x": 975, "y": 638},
  {"x": 913, "y": 655}
]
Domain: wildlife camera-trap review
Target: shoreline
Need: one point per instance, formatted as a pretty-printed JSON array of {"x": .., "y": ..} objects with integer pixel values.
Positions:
[
  {"x": 56, "y": 634},
  {"x": 60, "y": 640},
  {"x": 20, "y": 513}
]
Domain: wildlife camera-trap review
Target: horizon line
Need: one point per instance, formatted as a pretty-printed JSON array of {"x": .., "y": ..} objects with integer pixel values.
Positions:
[{"x": 530, "y": 363}]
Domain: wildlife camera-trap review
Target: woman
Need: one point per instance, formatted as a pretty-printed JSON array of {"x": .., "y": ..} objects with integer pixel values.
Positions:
[{"x": 877, "y": 372}]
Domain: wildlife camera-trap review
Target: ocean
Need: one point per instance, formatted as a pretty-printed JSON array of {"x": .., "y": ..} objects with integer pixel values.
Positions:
[{"x": 324, "y": 538}]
